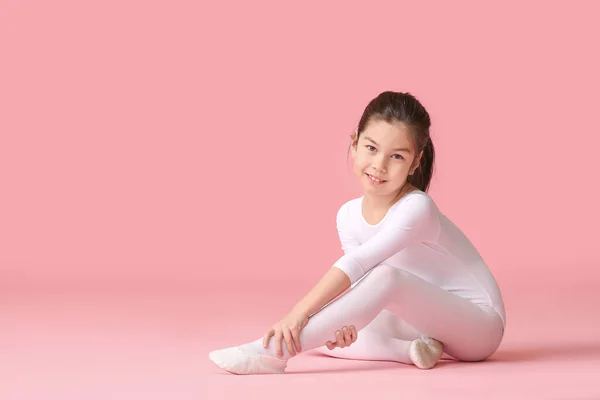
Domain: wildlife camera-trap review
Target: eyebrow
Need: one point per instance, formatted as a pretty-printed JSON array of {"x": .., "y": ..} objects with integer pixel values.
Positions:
[{"x": 402, "y": 149}]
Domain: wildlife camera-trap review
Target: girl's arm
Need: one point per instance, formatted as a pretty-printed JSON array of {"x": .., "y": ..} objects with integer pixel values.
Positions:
[
  {"x": 415, "y": 220},
  {"x": 333, "y": 283}
]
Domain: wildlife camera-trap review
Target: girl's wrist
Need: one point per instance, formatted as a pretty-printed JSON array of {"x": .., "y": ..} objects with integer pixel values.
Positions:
[{"x": 300, "y": 309}]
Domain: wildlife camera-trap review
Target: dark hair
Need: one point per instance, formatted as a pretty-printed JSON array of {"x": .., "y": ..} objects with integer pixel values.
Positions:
[{"x": 395, "y": 107}]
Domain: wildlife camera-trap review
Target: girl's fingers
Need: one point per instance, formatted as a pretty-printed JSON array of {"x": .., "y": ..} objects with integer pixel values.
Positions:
[
  {"x": 296, "y": 338},
  {"x": 347, "y": 338},
  {"x": 278, "y": 337},
  {"x": 343, "y": 338},
  {"x": 288, "y": 341},
  {"x": 267, "y": 336},
  {"x": 353, "y": 333}
]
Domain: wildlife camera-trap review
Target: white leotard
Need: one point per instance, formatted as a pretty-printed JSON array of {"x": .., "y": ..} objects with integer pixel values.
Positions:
[
  {"x": 414, "y": 275},
  {"x": 415, "y": 236}
]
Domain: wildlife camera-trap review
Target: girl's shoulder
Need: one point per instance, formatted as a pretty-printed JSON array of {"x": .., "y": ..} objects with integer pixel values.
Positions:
[
  {"x": 349, "y": 206},
  {"x": 416, "y": 195},
  {"x": 418, "y": 202}
]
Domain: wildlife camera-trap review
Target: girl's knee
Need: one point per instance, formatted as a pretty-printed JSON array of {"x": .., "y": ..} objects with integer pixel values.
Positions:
[{"x": 385, "y": 274}]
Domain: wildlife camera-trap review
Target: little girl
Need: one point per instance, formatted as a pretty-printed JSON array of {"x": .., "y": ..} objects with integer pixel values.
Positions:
[{"x": 418, "y": 287}]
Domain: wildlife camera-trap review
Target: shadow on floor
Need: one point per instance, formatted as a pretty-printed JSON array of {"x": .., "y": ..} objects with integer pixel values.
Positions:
[
  {"x": 543, "y": 352},
  {"x": 550, "y": 351}
]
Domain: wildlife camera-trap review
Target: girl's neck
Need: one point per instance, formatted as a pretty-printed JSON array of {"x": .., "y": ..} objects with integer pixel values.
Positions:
[{"x": 384, "y": 203}]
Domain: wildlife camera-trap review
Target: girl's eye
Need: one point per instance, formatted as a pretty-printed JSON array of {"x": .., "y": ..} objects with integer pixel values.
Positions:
[{"x": 369, "y": 148}]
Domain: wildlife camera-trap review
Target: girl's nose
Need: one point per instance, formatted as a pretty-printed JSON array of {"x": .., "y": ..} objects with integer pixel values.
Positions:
[{"x": 379, "y": 167}]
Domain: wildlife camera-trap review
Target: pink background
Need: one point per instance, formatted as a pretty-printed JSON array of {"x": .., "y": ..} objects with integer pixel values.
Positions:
[{"x": 170, "y": 174}]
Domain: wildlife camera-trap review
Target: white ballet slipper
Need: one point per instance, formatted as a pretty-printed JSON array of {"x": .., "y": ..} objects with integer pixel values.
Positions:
[{"x": 237, "y": 361}]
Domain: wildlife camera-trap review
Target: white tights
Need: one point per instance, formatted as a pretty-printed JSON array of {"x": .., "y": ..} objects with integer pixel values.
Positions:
[{"x": 390, "y": 308}]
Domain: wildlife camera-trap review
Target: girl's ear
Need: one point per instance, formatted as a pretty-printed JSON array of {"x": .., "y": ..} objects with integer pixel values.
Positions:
[
  {"x": 417, "y": 162},
  {"x": 354, "y": 144}
]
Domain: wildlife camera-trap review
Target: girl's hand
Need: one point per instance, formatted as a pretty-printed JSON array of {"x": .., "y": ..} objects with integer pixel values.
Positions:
[
  {"x": 348, "y": 337},
  {"x": 289, "y": 329}
]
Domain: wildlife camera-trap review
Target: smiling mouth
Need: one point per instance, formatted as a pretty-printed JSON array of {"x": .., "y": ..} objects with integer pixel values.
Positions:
[{"x": 376, "y": 179}]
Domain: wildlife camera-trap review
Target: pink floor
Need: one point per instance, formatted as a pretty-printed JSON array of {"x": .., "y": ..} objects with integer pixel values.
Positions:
[{"x": 121, "y": 341}]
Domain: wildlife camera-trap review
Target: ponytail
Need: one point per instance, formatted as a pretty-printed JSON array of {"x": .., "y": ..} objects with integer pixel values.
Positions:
[{"x": 421, "y": 178}]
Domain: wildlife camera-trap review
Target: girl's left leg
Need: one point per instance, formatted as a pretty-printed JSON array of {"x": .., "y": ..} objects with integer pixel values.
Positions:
[
  {"x": 373, "y": 346},
  {"x": 387, "y": 338}
]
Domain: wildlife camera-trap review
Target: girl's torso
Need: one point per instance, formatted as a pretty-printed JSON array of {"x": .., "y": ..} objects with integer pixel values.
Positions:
[{"x": 449, "y": 261}]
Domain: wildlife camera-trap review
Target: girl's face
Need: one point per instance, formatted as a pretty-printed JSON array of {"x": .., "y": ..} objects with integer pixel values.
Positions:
[{"x": 386, "y": 152}]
